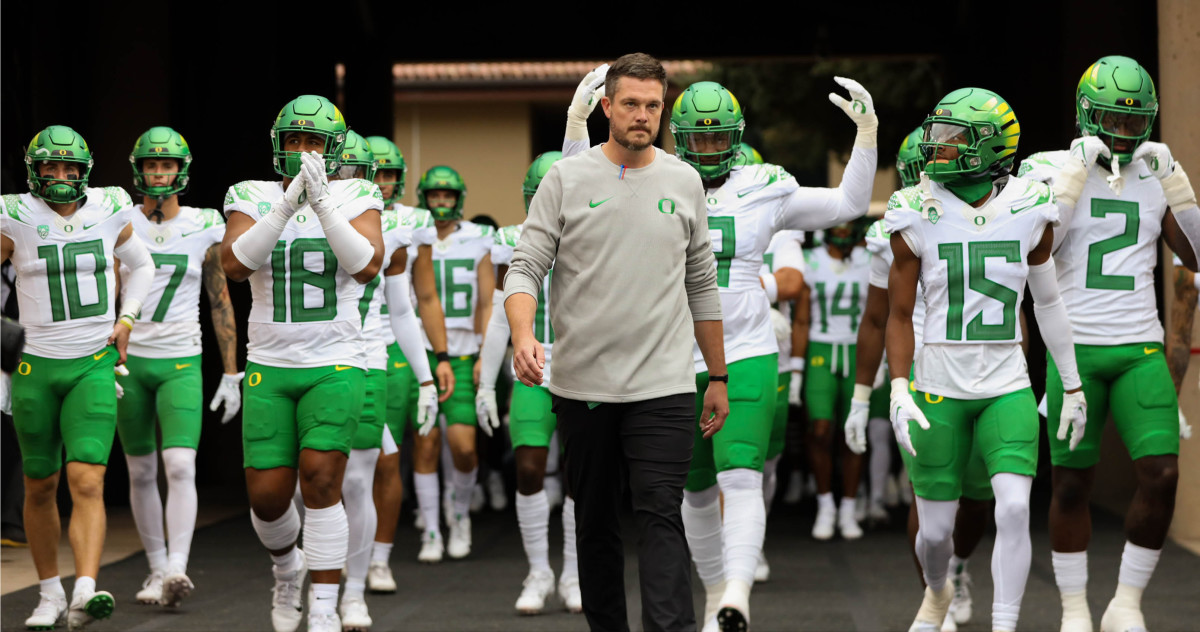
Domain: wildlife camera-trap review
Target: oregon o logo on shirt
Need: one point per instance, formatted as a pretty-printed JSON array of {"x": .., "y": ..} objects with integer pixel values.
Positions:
[
  {"x": 24, "y": 368},
  {"x": 254, "y": 379},
  {"x": 666, "y": 206}
]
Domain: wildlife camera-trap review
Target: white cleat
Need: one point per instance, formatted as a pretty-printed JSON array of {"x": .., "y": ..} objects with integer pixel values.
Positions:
[
  {"x": 354, "y": 615},
  {"x": 568, "y": 591},
  {"x": 934, "y": 608},
  {"x": 459, "y": 545},
  {"x": 795, "y": 491},
  {"x": 762, "y": 572},
  {"x": 89, "y": 607},
  {"x": 50, "y": 610},
  {"x": 419, "y": 521},
  {"x": 432, "y": 548},
  {"x": 1122, "y": 618},
  {"x": 538, "y": 586},
  {"x": 948, "y": 624},
  {"x": 712, "y": 601},
  {"x": 152, "y": 589},
  {"x": 176, "y": 587},
  {"x": 734, "y": 613},
  {"x": 327, "y": 622},
  {"x": 823, "y": 527},
  {"x": 848, "y": 525},
  {"x": 379, "y": 578},
  {"x": 710, "y": 625},
  {"x": 477, "y": 499},
  {"x": 497, "y": 497},
  {"x": 286, "y": 605},
  {"x": 1076, "y": 624},
  {"x": 961, "y": 606}
]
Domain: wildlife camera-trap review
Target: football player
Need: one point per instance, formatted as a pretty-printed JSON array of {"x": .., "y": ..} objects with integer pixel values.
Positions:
[
  {"x": 1127, "y": 192},
  {"x": 165, "y": 384},
  {"x": 63, "y": 238},
  {"x": 306, "y": 244},
  {"x": 973, "y": 236}
]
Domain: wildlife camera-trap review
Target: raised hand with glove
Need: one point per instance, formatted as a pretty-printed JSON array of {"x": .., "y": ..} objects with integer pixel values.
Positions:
[
  {"x": 860, "y": 108},
  {"x": 587, "y": 95}
]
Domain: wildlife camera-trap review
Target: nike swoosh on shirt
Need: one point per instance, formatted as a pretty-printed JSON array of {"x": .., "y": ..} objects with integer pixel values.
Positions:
[
  {"x": 595, "y": 204},
  {"x": 1148, "y": 350},
  {"x": 180, "y": 367},
  {"x": 99, "y": 355}
]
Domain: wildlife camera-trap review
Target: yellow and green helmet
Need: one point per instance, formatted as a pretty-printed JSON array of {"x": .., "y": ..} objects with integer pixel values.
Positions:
[
  {"x": 908, "y": 160},
  {"x": 747, "y": 155},
  {"x": 981, "y": 126},
  {"x": 707, "y": 117},
  {"x": 62, "y": 144},
  {"x": 538, "y": 170},
  {"x": 1116, "y": 101},
  {"x": 389, "y": 161},
  {"x": 160, "y": 142},
  {"x": 438, "y": 178},
  {"x": 313, "y": 114},
  {"x": 357, "y": 154}
]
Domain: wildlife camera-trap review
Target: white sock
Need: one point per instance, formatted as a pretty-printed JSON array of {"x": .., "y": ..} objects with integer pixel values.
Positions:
[
  {"x": 427, "y": 499},
  {"x": 279, "y": 533},
  {"x": 770, "y": 481},
  {"x": 847, "y": 506},
  {"x": 533, "y": 516},
  {"x": 825, "y": 501},
  {"x": 355, "y": 588},
  {"x": 146, "y": 504},
  {"x": 879, "y": 432},
  {"x": 935, "y": 544},
  {"x": 570, "y": 553},
  {"x": 702, "y": 526},
  {"x": 52, "y": 586},
  {"x": 158, "y": 560},
  {"x": 1070, "y": 571},
  {"x": 464, "y": 486},
  {"x": 83, "y": 586},
  {"x": 326, "y": 538},
  {"x": 381, "y": 552},
  {"x": 1137, "y": 565},
  {"x": 287, "y": 563},
  {"x": 357, "y": 485},
  {"x": 745, "y": 523},
  {"x": 1013, "y": 551},
  {"x": 182, "y": 503},
  {"x": 324, "y": 598}
]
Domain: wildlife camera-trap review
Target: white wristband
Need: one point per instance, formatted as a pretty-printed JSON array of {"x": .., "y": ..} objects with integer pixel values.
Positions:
[
  {"x": 862, "y": 392},
  {"x": 770, "y": 286},
  {"x": 796, "y": 364}
]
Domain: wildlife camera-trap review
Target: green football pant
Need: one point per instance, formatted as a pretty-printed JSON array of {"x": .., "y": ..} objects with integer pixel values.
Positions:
[
  {"x": 530, "y": 420},
  {"x": 779, "y": 426},
  {"x": 460, "y": 408},
  {"x": 286, "y": 410},
  {"x": 829, "y": 382},
  {"x": 169, "y": 391},
  {"x": 369, "y": 432},
  {"x": 743, "y": 441},
  {"x": 401, "y": 394}
]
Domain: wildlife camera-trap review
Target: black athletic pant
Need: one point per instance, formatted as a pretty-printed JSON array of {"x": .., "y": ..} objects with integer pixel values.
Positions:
[{"x": 648, "y": 443}]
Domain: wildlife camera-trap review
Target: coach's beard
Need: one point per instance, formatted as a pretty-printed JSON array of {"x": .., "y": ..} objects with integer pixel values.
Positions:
[{"x": 623, "y": 139}]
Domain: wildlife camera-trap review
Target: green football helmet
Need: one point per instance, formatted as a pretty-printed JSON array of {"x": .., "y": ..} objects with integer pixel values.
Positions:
[
  {"x": 442, "y": 178},
  {"x": 357, "y": 153},
  {"x": 63, "y": 144},
  {"x": 160, "y": 142},
  {"x": 389, "y": 161},
  {"x": 847, "y": 235},
  {"x": 747, "y": 155},
  {"x": 313, "y": 114},
  {"x": 908, "y": 160},
  {"x": 707, "y": 124},
  {"x": 981, "y": 127},
  {"x": 1116, "y": 101},
  {"x": 538, "y": 170}
]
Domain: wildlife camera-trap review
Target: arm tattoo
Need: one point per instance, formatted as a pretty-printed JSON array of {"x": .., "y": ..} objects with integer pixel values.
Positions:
[
  {"x": 222, "y": 308},
  {"x": 1179, "y": 338}
]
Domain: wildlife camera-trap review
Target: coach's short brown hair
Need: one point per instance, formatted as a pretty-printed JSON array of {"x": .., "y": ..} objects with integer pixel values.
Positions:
[{"x": 638, "y": 66}]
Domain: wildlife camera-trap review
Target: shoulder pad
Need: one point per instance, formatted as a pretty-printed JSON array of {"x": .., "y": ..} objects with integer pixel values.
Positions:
[
  {"x": 116, "y": 199},
  {"x": 1039, "y": 166},
  {"x": 908, "y": 198},
  {"x": 209, "y": 217},
  {"x": 1036, "y": 194},
  {"x": 389, "y": 219},
  {"x": 14, "y": 207},
  {"x": 508, "y": 236}
]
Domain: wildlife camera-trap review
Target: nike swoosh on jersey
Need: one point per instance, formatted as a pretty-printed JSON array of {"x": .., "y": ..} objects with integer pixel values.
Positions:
[
  {"x": 180, "y": 367},
  {"x": 182, "y": 235},
  {"x": 1026, "y": 208},
  {"x": 754, "y": 190},
  {"x": 595, "y": 204},
  {"x": 99, "y": 355},
  {"x": 88, "y": 226},
  {"x": 1141, "y": 177},
  {"x": 1148, "y": 350},
  {"x": 338, "y": 367}
]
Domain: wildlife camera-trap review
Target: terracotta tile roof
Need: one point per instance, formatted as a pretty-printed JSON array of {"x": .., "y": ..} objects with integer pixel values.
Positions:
[{"x": 474, "y": 74}]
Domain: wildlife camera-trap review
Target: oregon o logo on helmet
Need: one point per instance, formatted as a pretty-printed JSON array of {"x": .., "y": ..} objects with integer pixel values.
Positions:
[
  {"x": 708, "y": 121},
  {"x": 62, "y": 152},
  {"x": 254, "y": 379},
  {"x": 938, "y": 111},
  {"x": 1128, "y": 101}
]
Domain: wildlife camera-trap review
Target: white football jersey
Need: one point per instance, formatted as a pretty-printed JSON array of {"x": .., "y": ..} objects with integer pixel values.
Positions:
[
  {"x": 415, "y": 225},
  {"x": 837, "y": 294},
  {"x": 502, "y": 252},
  {"x": 973, "y": 268},
  {"x": 1106, "y": 260},
  {"x": 304, "y": 310},
  {"x": 371, "y": 306},
  {"x": 66, "y": 280},
  {"x": 170, "y": 323},
  {"x": 784, "y": 252},
  {"x": 456, "y": 262},
  {"x": 879, "y": 244}
]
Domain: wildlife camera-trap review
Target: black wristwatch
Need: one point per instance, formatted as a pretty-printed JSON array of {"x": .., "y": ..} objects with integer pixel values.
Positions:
[
  {"x": 442, "y": 356},
  {"x": 719, "y": 378}
]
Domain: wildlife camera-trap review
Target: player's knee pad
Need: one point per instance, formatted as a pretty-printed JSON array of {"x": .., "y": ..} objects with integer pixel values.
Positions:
[
  {"x": 360, "y": 473},
  {"x": 180, "y": 464},
  {"x": 937, "y": 519},
  {"x": 279, "y": 533},
  {"x": 1012, "y": 501},
  {"x": 143, "y": 469},
  {"x": 703, "y": 497},
  {"x": 326, "y": 537},
  {"x": 740, "y": 478}
]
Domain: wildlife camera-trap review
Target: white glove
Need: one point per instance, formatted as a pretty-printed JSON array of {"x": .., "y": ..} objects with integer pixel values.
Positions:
[
  {"x": 587, "y": 95},
  {"x": 316, "y": 182},
  {"x": 796, "y": 388},
  {"x": 295, "y": 196},
  {"x": 1176, "y": 187},
  {"x": 1074, "y": 416},
  {"x": 781, "y": 325},
  {"x": 902, "y": 410},
  {"x": 229, "y": 392},
  {"x": 1185, "y": 429},
  {"x": 861, "y": 110},
  {"x": 6, "y": 394},
  {"x": 486, "y": 410},
  {"x": 122, "y": 371},
  {"x": 1157, "y": 157},
  {"x": 856, "y": 421},
  {"x": 427, "y": 408},
  {"x": 1089, "y": 150}
]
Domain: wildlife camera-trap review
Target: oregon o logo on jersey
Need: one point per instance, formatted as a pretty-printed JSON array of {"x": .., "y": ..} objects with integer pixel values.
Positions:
[{"x": 254, "y": 379}]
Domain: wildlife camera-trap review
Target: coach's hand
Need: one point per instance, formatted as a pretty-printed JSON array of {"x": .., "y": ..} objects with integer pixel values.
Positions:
[
  {"x": 716, "y": 408},
  {"x": 529, "y": 358}
]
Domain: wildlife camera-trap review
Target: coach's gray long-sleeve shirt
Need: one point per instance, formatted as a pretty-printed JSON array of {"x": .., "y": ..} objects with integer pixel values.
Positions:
[{"x": 633, "y": 268}]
